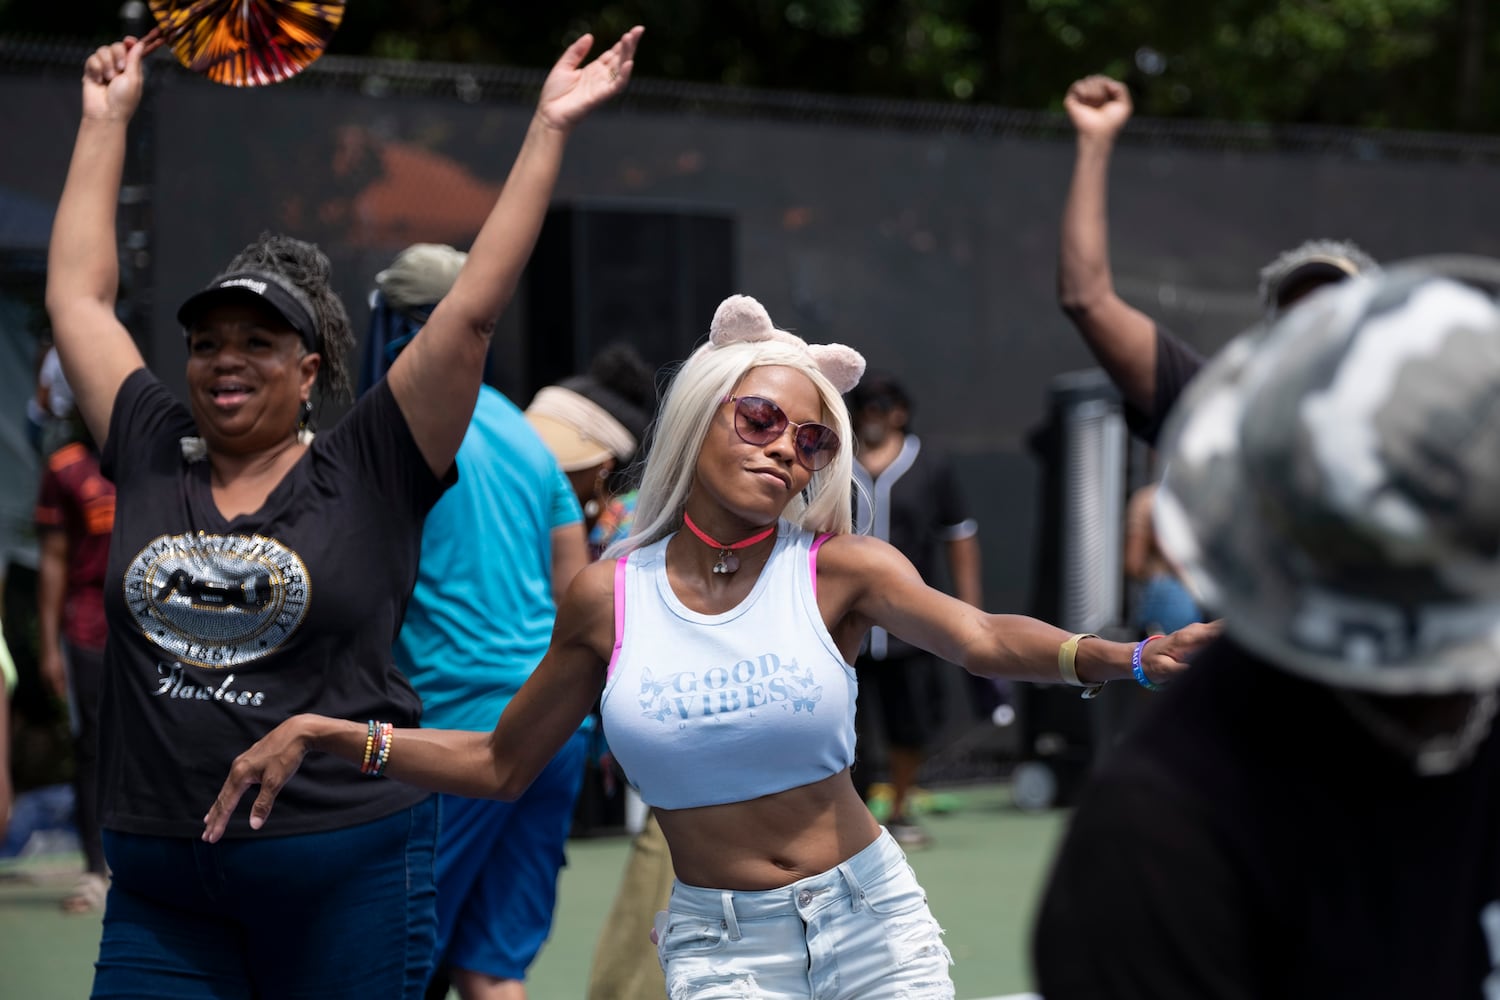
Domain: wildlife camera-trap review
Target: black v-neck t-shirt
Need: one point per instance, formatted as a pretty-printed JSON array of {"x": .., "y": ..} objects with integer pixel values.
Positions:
[{"x": 221, "y": 629}]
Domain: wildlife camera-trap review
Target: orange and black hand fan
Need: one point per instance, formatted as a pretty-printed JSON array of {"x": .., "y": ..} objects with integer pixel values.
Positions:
[{"x": 247, "y": 43}]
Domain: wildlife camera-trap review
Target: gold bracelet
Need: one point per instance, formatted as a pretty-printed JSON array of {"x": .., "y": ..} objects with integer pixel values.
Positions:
[
  {"x": 1065, "y": 654},
  {"x": 1066, "y": 669}
]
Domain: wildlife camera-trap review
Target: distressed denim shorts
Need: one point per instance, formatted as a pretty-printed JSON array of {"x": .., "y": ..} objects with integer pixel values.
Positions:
[{"x": 860, "y": 931}]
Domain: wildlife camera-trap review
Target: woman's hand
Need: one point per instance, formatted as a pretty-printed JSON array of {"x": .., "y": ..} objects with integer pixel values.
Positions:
[
  {"x": 1163, "y": 659},
  {"x": 572, "y": 90},
  {"x": 270, "y": 763},
  {"x": 112, "y": 77}
]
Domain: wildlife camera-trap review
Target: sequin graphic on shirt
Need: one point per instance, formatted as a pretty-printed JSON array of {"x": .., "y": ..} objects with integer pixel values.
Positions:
[
  {"x": 217, "y": 600},
  {"x": 748, "y": 684}
]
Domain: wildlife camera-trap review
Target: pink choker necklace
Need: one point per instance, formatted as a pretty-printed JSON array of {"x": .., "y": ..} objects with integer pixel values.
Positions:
[{"x": 728, "y": 561}]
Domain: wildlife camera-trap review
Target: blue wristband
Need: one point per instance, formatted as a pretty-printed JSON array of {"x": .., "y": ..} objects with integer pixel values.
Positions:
[{"x": 1138, "y": 670}]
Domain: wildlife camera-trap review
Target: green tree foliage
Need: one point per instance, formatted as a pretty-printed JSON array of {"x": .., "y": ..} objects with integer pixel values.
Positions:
[
  {"x": 1396, "y": 63},
  {"x": 1366, "y": 62}
]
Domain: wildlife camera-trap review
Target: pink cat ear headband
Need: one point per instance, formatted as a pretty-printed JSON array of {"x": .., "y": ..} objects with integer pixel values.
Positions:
[{"x": 740, "y": 318}]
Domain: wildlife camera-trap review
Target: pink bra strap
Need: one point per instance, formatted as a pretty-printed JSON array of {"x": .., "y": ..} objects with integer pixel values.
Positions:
[
  {"x": 619, "y": 616},
  {"x": 812, "y": 559}
]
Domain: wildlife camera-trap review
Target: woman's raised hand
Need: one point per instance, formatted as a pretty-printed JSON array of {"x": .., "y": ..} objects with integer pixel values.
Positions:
[
  {"x": 572, "y": 89},
  {"x": 112, "y": 77}
]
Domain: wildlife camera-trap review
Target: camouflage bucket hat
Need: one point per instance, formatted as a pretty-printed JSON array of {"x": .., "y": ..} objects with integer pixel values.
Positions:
[{"x": 1332, "y": 485}]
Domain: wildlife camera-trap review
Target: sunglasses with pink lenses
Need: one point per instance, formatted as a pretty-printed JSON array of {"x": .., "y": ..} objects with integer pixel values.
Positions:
[{"x": 759, "y": 421}]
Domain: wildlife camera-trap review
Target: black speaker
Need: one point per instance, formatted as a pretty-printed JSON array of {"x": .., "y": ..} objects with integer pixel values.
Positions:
[
  {"x": 651, "y": 277},
  {"x": 1077, "y": 580}
]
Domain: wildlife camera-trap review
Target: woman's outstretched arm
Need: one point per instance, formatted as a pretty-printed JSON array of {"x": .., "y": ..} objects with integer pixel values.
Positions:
[
  {"x": 868, "y": 583},
  {"x": 436, "y": 379},
  {"x": 83, "y": 267},
  {"x": 499, "y": 765}
]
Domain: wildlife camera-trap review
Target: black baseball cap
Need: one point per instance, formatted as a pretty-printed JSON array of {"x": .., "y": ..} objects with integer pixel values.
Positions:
[{"x": 289, "y": 301}]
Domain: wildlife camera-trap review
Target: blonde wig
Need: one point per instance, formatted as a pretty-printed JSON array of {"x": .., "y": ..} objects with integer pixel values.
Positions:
[{"x": 742, "y": 339}]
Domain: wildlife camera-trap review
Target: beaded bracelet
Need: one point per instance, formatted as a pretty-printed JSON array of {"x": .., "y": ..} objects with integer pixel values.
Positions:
[
  {"x": 364, "y": 765},
  {"x": 1140, "y": 671},
  {"x": 388, "y": 736},
  {"x": 377, "y": 748}
]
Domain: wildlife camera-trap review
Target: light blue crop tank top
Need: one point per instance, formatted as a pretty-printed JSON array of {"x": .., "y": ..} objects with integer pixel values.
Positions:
[{"x": 706, "y": 709}]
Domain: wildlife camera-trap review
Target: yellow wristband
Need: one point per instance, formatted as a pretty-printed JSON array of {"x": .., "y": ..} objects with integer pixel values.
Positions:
[{"x": 1065, "y": 654}]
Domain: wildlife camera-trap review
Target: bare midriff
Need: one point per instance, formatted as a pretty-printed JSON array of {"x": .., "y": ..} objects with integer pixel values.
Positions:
[{"x": 771, "y": 841}]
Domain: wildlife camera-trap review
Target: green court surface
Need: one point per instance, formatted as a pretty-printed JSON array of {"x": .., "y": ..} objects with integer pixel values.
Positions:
[{"x": 982, "y": 876}]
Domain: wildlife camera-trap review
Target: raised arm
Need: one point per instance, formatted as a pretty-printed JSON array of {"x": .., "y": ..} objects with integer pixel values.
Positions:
[
  {"x": 500, "y": 764},
  {"x": 864, "y": 582},
  {"x": 436, "y": 379},
  {"x": 83, "y": 267},
  {"x": 1140, "y": 536},
  {"x": 1122, "y": 338}
]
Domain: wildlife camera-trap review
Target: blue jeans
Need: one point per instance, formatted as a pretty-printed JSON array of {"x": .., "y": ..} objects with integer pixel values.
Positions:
[
  {"x": 342, "y": 914},
  {"x": 861, "y": 931},
  {"x": 1166, "y": 605}
]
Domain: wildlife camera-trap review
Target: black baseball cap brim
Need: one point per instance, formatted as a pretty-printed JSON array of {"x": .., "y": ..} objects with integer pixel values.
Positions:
[{"x": 268, "y": 289}]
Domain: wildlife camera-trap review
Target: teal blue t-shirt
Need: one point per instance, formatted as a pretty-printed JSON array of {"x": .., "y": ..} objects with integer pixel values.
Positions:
[{"x": 481, "y": 614}]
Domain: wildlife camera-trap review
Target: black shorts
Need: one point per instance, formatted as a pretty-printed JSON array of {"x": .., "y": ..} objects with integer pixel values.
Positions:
[{"x": 909, "y": 690}]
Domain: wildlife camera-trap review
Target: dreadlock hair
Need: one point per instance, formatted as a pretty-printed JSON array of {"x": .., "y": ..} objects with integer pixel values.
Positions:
[{"x": 308, "y": 267}]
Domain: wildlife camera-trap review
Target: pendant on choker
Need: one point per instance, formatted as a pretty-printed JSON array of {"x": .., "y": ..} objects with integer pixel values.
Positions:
[{"x": 727, "y": 562}]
